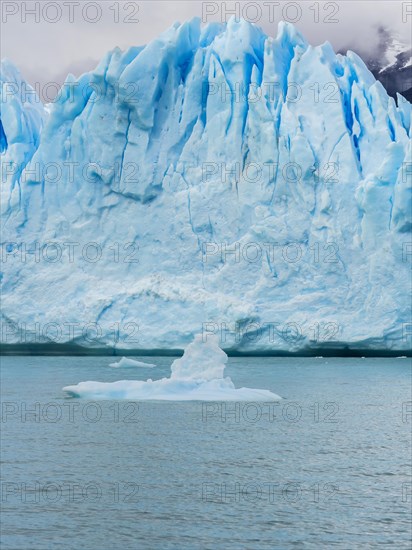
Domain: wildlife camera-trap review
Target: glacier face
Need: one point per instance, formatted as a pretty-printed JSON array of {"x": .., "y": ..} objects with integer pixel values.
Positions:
[
  {"x": 22, "y": 119},
  {"x": 214, "y": 181}
]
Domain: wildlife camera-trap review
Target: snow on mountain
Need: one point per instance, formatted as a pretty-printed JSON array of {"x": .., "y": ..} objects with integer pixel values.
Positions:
[
  {"x": 219, "y": 181},
  {"x": 395, "y": 49},
  {"x": 397, "y": 75}
]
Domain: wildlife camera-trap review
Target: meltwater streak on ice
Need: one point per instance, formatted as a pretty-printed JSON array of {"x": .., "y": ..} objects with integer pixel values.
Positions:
[{"x": 196, "y": 376}]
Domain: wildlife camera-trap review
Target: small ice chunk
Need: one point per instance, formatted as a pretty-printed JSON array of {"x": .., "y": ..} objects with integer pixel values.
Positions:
[{"x": 128, "y": 362}]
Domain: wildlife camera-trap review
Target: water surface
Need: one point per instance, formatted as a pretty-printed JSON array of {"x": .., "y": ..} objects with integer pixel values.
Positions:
[{"x": 329, "y": 467}]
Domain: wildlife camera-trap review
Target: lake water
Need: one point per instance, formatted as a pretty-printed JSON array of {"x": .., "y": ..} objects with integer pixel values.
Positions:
[{"x": 328, "y": 467}]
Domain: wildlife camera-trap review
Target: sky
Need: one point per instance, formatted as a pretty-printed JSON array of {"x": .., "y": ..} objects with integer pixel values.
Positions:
[{"x": 48, "y": 39}]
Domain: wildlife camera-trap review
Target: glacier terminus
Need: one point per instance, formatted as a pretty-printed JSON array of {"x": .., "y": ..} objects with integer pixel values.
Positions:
[{"x": 215, "y": 181}]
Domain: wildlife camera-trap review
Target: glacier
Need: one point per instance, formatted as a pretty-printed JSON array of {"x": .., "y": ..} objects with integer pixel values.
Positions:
[
  {"x": 215, "y": 181},
  {"x": 196, "y": 376},
  {"x": 22, "y": 119}
]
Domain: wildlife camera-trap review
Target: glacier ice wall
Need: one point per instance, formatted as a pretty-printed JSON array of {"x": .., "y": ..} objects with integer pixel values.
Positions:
[
  {"x": 215, "y": 180},
  {"x": 21, "y": 121}
]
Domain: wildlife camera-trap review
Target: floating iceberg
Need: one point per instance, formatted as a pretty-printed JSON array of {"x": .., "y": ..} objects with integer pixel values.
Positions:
[
  {"x": 128, "y": 362},
  {"x": 197, "y": 376}
]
